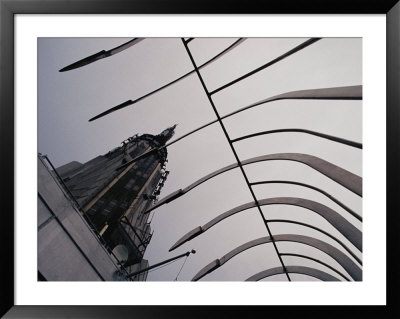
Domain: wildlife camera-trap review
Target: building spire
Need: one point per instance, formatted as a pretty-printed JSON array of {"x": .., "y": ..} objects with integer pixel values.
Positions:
[{"x": 165, "y": 135}]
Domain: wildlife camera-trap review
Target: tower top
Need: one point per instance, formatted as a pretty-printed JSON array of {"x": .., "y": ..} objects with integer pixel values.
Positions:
[{"x": 165, "y": 135}]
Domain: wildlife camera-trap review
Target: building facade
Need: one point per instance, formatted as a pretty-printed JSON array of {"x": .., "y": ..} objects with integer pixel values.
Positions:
[{"x": 109, "y": 194}]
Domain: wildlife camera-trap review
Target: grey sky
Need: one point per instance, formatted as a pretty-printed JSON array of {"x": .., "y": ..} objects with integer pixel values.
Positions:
[{"x": 67, "y": 100}]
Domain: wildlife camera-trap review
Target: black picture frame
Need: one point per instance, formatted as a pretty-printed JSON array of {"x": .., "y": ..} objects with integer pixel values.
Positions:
[{"x": 8, "y": 10}]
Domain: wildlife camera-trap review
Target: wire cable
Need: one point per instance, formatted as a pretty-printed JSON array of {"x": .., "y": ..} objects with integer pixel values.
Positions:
[{"x": 176, "y": 278}]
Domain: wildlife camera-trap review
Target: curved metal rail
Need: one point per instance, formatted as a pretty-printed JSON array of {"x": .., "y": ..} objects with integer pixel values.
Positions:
[
  {"x": 351, "y": 268},
  {"x": 349, "y": 210},
  {"x": 101, "y": 55},
  {"x": 309, "y": 271},
  {"x": 335, "y": 219},
  {"x": 298, "y": 130},
  {"x": 299, "y": 47},
  {"x": 335, "y": 93},
  {"x": 318, "y": 261},
  {"x": 343, "y": 177},
  {"x": 321, "y": 231}
]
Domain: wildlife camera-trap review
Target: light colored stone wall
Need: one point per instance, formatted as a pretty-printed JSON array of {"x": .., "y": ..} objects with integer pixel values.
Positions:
[{"x": 65, "y": 239}]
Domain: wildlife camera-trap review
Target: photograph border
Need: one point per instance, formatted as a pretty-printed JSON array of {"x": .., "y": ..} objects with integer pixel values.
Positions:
[{"x": 8, "y": 10}]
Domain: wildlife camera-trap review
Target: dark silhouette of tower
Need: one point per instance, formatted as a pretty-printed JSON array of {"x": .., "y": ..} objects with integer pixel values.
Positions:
[{"x": 114, "y": 189}]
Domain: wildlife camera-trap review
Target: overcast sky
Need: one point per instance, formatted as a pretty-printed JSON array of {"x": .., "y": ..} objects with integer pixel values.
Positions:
[{"x": 67, "y": 100}]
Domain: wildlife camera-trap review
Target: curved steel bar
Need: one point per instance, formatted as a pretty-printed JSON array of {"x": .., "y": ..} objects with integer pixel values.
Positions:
[
  {"x": 345, "y": 178},
  {"x": 130, "y": 102},
  {"x": 319, "y": 274},
  {"x": 318, "y": 261},
  {"x": 337, "y": 93},
  {"x": 299, "y": 47},
  {"x": 319, "y": 230},
  {"x": 298, "y": 130},
  {"x": 335, "y": 219},
  {"x": 352, "y": 213},
  {"x": 101, "y": 55},
  {"x": 352, "y": 269}
]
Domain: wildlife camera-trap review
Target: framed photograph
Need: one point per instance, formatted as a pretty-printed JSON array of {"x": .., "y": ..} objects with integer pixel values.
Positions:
[{"x": 151, "y": 155}]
